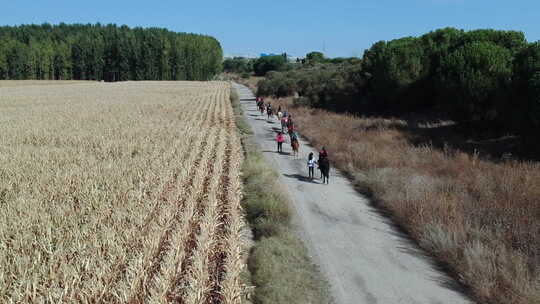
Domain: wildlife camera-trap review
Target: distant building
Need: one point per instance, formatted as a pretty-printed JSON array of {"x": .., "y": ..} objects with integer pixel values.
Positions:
[{"x": 230, "y": 56}]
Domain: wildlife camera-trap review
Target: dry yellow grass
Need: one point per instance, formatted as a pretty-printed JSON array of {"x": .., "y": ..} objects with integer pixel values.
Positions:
[
  {"x": 115, "y": 193},
  {"x": 478, "y": 217}
]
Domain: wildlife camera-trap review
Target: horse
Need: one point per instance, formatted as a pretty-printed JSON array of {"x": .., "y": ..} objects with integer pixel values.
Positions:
[
  {"x": 283, "y": 124},
  {"x": 295, "y": 145},
  {"x": 324, "y": 166}
]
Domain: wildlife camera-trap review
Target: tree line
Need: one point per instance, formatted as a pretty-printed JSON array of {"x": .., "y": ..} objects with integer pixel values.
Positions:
[
  {"x": 259, "y": 66},
  {"x": 106, "y": 52},
  {"x": 482, "y": 75}
]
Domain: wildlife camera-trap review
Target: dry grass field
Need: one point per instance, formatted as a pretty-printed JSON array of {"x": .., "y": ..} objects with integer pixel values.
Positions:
[
  {"x": 480, "y": 218},
  {"x": 119, "y": 193}
]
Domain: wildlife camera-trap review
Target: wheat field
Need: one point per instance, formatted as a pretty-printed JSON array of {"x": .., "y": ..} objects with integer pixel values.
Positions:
[{"x": 120, "y": 193}]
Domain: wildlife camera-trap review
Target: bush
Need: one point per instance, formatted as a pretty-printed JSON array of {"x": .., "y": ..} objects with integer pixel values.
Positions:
[
  {"x": 276, "y": 86},
  {"x": 238, "y": 65},
  {"x": 265, "y": 64}
]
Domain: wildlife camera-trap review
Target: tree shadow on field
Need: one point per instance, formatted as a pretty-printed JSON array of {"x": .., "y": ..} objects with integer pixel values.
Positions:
[{"x": 301, "y": 178}]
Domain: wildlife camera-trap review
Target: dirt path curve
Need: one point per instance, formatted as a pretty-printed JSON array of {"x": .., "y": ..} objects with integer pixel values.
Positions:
[{"x": 363, "y": 257}]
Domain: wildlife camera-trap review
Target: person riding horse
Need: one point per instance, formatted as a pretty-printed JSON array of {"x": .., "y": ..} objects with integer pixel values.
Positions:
[
  {"x": 260, "y": 104},
  {"x": 269, "y": 111},
  {"x": 293, "y": 135},
  {"x": 289, "y": 121},
  {"x": 323, "y": 155},
  {"x": 283, "y": 123}
]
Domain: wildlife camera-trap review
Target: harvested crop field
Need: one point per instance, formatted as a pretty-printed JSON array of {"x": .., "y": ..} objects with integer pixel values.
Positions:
[{"x": 116, "y": 193}]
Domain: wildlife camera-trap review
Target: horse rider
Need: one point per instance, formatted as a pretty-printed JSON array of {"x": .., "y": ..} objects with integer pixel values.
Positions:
[{"x": 323, "y": 153}]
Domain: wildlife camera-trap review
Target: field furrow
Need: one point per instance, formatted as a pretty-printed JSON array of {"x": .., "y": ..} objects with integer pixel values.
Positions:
[
  {"x": 179, "y": 283},
  {"x": 198, "y": 279},
  {"x": 116, "y": 193},
  {"x": 152, "y": 265},
  {"x": 134, "y": 249}
]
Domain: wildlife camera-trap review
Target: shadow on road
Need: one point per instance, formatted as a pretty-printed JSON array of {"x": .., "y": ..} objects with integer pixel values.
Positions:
[
  {"x": 301, "y": 178},
  {"x": 273, "y": 151}
]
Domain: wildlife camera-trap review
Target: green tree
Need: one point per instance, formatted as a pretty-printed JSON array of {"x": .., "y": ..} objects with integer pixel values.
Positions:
[
  {"x": 94, "y": 51},
  {"x": 526, "y": 106},
  {"x": 238, "y": 65},
  {"x": 315, "y": 57},
  {"x": 265, "y": 64},
  {"x": 474, "y": 76}
]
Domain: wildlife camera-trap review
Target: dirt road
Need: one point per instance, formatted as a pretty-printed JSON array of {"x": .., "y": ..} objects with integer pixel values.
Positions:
[{"x": 362, "y": 256}]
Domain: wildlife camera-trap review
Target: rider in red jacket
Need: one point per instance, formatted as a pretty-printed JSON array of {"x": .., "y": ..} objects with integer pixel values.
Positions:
[{"x": 323, "y": 153}]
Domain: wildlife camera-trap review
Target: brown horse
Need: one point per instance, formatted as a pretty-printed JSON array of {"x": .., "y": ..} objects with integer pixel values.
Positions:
[
  {"x": 295, "y": 145},
  {"x": 324, "y": 166}
]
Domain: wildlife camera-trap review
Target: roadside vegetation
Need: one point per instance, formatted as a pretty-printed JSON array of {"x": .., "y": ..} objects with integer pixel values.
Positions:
[
  {"x": 479, "y": 218},
  {"x": 439, "y": 131},
  {"x": 259, "y": 66},
  {"x": 486, "y": 81},
  {"x": 280, "y": 267}
]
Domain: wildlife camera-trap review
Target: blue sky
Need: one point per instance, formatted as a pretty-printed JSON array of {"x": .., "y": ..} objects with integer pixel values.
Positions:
[{"x": 344, "y": 27}]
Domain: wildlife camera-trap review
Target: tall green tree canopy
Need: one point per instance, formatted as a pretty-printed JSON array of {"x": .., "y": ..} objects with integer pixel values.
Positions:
[{"x": 106, "y": 52}]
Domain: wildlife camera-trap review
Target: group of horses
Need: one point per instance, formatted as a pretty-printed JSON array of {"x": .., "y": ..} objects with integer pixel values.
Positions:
[{"x": 288, "y": 125}]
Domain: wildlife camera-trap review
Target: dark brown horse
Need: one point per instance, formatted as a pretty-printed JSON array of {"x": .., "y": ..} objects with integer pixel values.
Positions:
[{"x": 324, "y": 166}]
